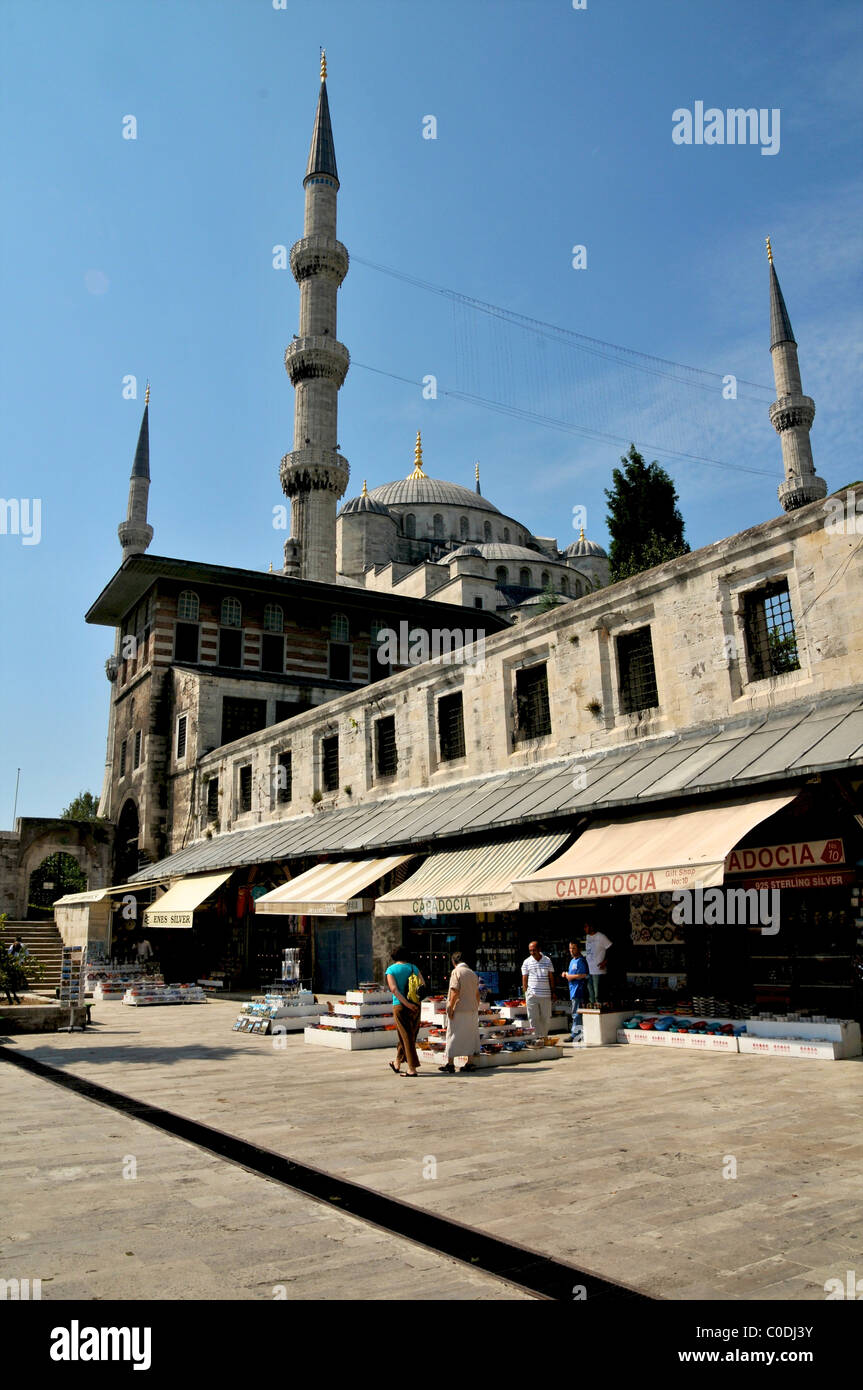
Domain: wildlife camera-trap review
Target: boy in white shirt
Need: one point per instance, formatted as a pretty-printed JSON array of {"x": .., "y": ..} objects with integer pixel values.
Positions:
[{"x": 596, "y": 946}]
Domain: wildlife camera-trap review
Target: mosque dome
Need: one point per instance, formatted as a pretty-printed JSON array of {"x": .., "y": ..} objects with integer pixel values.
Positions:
[
  {"x": 366, "y": 502},
  {"x": 418, "y": 489},
  {"x": 501, "y": 550},
  {"x": 583, "y": 547}
]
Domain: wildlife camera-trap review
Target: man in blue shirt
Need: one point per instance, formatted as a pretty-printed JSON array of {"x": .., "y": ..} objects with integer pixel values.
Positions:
[{"x": 577, "y": 974}]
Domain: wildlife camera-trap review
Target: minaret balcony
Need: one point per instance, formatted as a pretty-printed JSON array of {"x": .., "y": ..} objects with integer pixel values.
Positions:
[
  {"x": 319, "y": 255},
  {"x": 317, "y": 358},
  {"x": 314, "y": 469},
  {"x": 789, "y": 411}
]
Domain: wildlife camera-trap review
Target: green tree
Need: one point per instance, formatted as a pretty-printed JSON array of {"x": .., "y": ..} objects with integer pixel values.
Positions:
[
  {"x": 548, "y": 598},
  {"x": 85, "y": 806},
  {"x": 644, "y": 522}
]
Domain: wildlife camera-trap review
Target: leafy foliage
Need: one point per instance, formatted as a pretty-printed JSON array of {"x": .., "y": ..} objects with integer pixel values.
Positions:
[{"x": 644, "y": 522}]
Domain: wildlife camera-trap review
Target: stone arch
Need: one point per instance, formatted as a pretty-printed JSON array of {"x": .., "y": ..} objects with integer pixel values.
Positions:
[
  {"x": 55, "y": 875},
  {"x": 88, "y": 843},
  {"x": 126, "y": 842}
]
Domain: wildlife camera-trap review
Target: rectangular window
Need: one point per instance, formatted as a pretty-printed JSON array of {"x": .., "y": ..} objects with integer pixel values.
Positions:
[
  {"x": 246, "y": 787},
  {"x": 330, "y": 763},
  {"x": 340, "y": 661},
  {"x": 477, "y": 603},
  {"x": 533, "y": 716},
  {"x": 286, "y": 709},
  {"x": 182, "y": 723},
  {"x": 450, "y": 723},
  {"x": 637, "y": 672},
  {"x": 138, "y": 740},
  {"x": 123, "y": 758},
  {"x": 284, "y": 778},
  {"x": 241, "y": 717},
  {"x": 186, "y": 642},
  {"x": 230, "y": 646},
  {"x": 386, "y": 753},
  {"x": 273, "y": 652},
  {"x": 771, "y": 642},
  {"x": 213, "y": 799}
]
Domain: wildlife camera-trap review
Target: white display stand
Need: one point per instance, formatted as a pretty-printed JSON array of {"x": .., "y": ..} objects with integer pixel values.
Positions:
[
  {"x": 364, "y": 1019},
  {"x": 350, "y": 1042},
  {"x": 829, "y": 1042},
  {"x": 497, "y": 1059}
]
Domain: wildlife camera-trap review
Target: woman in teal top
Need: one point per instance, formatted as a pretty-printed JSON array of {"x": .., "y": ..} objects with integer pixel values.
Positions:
[{"x": 406, "y": 1014}]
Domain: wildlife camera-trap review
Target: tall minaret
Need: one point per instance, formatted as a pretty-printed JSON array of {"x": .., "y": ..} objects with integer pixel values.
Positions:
[
  {"x": 135, "y": 535},
  {"x": 792, "y": 413},
  {"x": 314, "y": 475},
  {"x": 135, "y": 532}
]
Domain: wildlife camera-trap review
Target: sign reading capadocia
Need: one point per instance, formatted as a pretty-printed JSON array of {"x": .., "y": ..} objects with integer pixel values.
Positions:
[{"x": 771, "y": 858}]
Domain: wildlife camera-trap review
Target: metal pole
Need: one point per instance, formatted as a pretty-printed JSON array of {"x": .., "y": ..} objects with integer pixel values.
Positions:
[{"x": 15, "y": 806}]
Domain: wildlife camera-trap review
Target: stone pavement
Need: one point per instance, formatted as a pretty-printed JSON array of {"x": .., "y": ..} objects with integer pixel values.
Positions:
[
  {"x": 612, "y": 1158},
  {"x": 187, "y": 1225}
]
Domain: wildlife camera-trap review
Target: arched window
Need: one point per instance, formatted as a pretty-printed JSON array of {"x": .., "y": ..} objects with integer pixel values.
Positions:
[
  {"x": 564, "y": 585},
  {"x": 437, "y": 525},
  {"x": 463, "y": 527},
  {"x": 486, "y": 531},
  {"x": 232, "y": 612},
  {"x": 546, "y": 577},
  {"x": 524, "y": 578},
  {"x": 506, "y": 535},
  {"x": 274, "y": 618},
  {"x": 339, "y": 628},
  {"x": 501, "y": 575},
  {"x": 578, "y": 588},
  {"x": 188, "y": 607},
  {"x": 410, "y": 525}
]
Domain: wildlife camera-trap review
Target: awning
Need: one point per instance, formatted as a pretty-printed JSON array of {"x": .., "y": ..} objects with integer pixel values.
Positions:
[
  {"x": 330, "y": 889},
  {"x": 678, "y": 849},
  {"x": 478, "y": 879},
  {"x": 176, "y": 907},
  {"x": 95, "y": 895}
]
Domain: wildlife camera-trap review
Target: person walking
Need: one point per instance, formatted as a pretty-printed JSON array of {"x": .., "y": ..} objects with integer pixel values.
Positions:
[
  {"x": 144, "y": 950},
  {"x": 596, "y": 947},
  {"x": 578, "y": 976},
  {"x": 462, "y": 1011},
  {"x": 537, "y": 982},
  {"x": 405, "y": 1012}
]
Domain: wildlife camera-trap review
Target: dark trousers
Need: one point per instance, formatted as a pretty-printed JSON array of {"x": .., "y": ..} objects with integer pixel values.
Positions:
[{"x": 407, "y": 1023}]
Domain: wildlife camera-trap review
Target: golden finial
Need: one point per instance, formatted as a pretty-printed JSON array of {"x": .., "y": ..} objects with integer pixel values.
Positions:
[
  {"x": 323, "y": 65},
  {"x": 271, "y": 567},
  {"x": 147, "y": 394},
  {"x": 581, "y": 533},
  {"x": 418, "y": 458},
  {"x": 365, "y": 491},
  {"x": 476, "y": 471},
  {"x": 769, "y": 251}
]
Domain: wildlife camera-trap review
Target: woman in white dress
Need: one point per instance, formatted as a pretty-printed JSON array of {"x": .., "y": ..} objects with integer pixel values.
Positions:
[{"x": 462, "y": 1009}]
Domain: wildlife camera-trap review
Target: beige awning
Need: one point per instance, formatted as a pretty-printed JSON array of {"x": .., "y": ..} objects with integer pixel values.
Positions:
[
  {"x": 95, "y": 895},
  {"x": 676, "y": 849},
  {"x": 478, "y": 879},
  {"x": 176, "y": 908},
  {"x": 330, "y": 890}
]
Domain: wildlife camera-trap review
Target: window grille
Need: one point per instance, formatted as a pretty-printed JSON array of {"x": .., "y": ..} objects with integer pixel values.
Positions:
[
  {"x": 771, "y": 640},
  {"x": 532, "y": 708},
  {"x": 285, "y": 777},
  {"x": 188, "y": 606},
  {"x": 637, "y": 672},
  {"x": 274, "y": 618},
  {"x": 232, "y": 612},
  {"x": 330, "y": 763},
  {"x": 182, "y": 723},
  {"x": 450, "y": 718},
  {"x": 385, "y": 746},
  {"x": 246, "y": 787},
  {"x": 213, "y": 799}
]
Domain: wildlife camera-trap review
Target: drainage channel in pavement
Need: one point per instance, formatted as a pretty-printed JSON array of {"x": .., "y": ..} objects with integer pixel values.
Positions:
[{"x": 517, "y": 1264}]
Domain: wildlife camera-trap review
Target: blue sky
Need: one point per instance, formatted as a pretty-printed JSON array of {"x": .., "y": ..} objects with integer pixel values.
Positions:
[{"x": 153, "y": 257}]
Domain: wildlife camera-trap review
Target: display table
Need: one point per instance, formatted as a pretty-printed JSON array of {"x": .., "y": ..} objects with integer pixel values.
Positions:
[
  {"x": 831, "y": 1041},
  {"x": 363, "y": 1019},
  {"x": 279, "y": 1013}
]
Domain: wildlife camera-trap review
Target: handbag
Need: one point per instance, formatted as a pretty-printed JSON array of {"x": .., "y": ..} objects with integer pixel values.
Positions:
[{"x": 416, "y": 990}]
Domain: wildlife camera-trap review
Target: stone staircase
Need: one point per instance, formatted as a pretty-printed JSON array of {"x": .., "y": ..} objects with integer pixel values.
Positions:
[{"x": 43, "y": 943}]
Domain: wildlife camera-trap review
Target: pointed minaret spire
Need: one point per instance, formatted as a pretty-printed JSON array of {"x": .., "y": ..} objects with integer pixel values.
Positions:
[
  {"x": 478, "y": 488},
  {"x": 314, "y": 475},
  {"x": 135, "y": 532},
  {"x": 792, "y": 413}
]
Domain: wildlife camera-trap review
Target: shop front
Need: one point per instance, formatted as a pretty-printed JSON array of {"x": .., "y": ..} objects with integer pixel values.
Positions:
[
  {"x": 337, "y": 900},
  {"x": 194, "y": 928},
  {"x": 732, "y": 911},
  {"x": 462, "y": 900}
]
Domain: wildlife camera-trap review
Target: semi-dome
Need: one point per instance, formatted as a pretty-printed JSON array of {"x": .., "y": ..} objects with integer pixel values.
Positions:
[
  {"x": 585, "y": 547},
  {"x": 501, "y": 550},
  {"x": 462, "y": 553},
  {"x": 412, "y": 492}
]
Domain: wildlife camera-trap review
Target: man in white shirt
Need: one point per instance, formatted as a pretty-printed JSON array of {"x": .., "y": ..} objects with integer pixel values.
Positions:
[
  {"x": 537, "y": 981},
  {"x": 595, "y": 948}
]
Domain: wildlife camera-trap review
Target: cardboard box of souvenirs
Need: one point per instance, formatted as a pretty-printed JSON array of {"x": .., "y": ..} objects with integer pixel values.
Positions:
[
  {"x": 777, "y": 1047},
  {"x": 697, "y": 1042},
  {"x": 350, "y": 1041}
]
